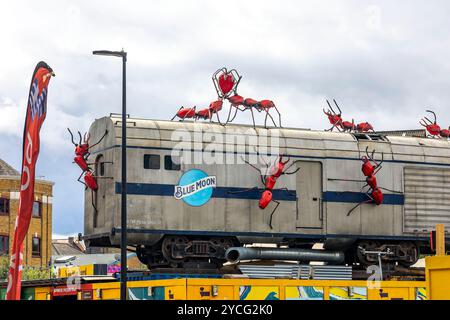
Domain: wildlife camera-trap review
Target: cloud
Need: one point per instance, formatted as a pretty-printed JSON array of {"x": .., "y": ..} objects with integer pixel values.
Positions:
[
  {"x": 384, "y": 62},
  {"x": 56, "y": 236}
]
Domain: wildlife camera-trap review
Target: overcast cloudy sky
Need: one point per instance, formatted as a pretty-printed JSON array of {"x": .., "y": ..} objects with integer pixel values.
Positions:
[{"x": 384, "y": 61}]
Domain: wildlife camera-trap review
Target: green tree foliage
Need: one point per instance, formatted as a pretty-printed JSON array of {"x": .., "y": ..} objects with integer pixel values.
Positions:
[
  {"x": 4, "y": 265},
  {"x": 28, "y": 273}
]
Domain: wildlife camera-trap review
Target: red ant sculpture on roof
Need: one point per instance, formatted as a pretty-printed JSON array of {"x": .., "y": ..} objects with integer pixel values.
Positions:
[
  {"x": 226, "y": 83},
  {"x": 337, "y": 122},
  {"x": 82, "y": 153},
  {"x": 433, "y": 129},
  {"x": 269, "y": 179}
]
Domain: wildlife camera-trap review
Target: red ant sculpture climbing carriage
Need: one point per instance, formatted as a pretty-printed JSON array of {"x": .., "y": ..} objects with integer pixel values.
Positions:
[
  {"x": 370, "y": 168},
  {"x": 82, "y": 152},
  {"x": 269, "y": 180}
]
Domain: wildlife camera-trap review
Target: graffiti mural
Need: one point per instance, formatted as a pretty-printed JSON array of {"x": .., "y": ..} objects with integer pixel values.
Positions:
[
  {"x": 304, "y": 293},
  {"x": 348, "y": 293},
  {"x": 258, "y": 293}
]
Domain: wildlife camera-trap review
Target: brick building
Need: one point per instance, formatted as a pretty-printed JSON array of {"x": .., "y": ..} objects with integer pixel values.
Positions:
[{"x": 38, "y": 243}]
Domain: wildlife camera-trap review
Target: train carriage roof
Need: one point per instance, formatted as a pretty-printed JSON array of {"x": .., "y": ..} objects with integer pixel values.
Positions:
[{"x": 403, "y": 148}]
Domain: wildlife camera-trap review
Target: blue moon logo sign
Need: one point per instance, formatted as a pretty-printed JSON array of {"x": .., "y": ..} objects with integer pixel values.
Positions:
[{"x": 195, "y": 187}]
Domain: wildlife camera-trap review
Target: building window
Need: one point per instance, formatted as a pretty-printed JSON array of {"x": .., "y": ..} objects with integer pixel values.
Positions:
[
  {"x": 4, "y": 244},
  {"x": 172, "y": 163},
  {"x": 152, "y": 161},
  {"x": 4, "y": 206},
  {"x": 36, "y": 247},
  {"x": 37, "y": 209}
]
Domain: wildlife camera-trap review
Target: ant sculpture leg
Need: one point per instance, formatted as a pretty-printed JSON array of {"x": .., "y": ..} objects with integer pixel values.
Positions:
[
  {"x": 92, "y": 191},
  {"x": 92, "y": 199},
  {"x": 237, "y": 108},
  {"x": 334, "y": 126},
  {"x": 81, "y": 140},
  {"x": 71, "y": 136},
  {"x": 229, "y": 113},
  {"x": 181, "y": 119},
  {"x": 390, "y": 190},
  {"x": 279, "y": 116},
  {"x": 79, "y": 180},
  {"x": 273, "y": 211},
  {"x": 259, "y": 170},
  {"x": 265, "y": 119},
  {"x": 176, "y": 114},
  {"x": 103, "y": 136},
  {"x": 367, "y": 201},
  {"x": 364, "y": 186},
  {"x": 218, "y": 119},
  {"x": 377, "y": 164},
  {"x": 267, "y": 164},
  {"x": 295, "y": 171},
  {"x": 273, "y": 121},
  {"x": 288, "y": 191},
  {"x": 253, "y": 117},
  {"x": 245, "y": 190}
]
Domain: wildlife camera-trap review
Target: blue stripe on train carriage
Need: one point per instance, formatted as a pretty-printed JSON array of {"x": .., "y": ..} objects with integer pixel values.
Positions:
[
  {"x": 357, "y": 197},
  {"x": 156, "y": 189}
]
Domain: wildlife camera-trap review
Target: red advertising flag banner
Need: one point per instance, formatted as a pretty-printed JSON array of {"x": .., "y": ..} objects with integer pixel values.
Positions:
[{"x": 36, "y": 112}]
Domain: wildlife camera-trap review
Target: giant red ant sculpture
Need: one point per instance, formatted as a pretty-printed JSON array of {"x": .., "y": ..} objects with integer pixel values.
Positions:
[
  {"x": 240, "y": 104},
  {"x": 337, "y": 122},
  {"x": 205, "y": 114},
  {"x": 433, "y": 129},
  {"x": 81, "y": 155},
  {"x": 334, "y": 118},
  {"x": 226, "y": 83},
  {"x": 370, "y": 170},
  {"x": 269, "y": 180}
]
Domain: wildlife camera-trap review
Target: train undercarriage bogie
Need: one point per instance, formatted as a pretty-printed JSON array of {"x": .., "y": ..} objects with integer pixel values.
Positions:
[
  {"x": 151, "y": 256},
  {"x": 183, "y": 251},
  {"x": 178, "y": 251},
  {"x": 369, "y": 252}
]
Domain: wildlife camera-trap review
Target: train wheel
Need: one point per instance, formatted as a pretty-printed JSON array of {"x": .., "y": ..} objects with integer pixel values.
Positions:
[
  {"x": 151, "y": 256},
  {"x": 367, "y": 259},
  {"x": 408, "y": 253}
]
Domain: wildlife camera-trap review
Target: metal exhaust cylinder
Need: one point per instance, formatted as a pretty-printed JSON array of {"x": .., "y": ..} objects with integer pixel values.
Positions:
[{"x": 236, "y": 254}]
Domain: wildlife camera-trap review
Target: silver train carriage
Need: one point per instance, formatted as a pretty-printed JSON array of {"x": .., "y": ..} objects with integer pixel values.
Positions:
[{"x": 216, "y": 207}]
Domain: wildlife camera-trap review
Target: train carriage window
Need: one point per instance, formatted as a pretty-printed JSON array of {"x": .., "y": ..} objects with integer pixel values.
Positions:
[
  {"x": 152, "y": 161},
  {"x": 172, "y": 163}
]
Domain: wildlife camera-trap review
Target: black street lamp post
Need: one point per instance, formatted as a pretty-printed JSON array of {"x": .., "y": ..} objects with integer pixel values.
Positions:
[{"x": 123, "y": 243}]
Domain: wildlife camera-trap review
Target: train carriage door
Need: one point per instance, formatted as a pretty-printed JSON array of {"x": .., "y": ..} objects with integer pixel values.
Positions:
[{"x": 309, "y": 192}]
